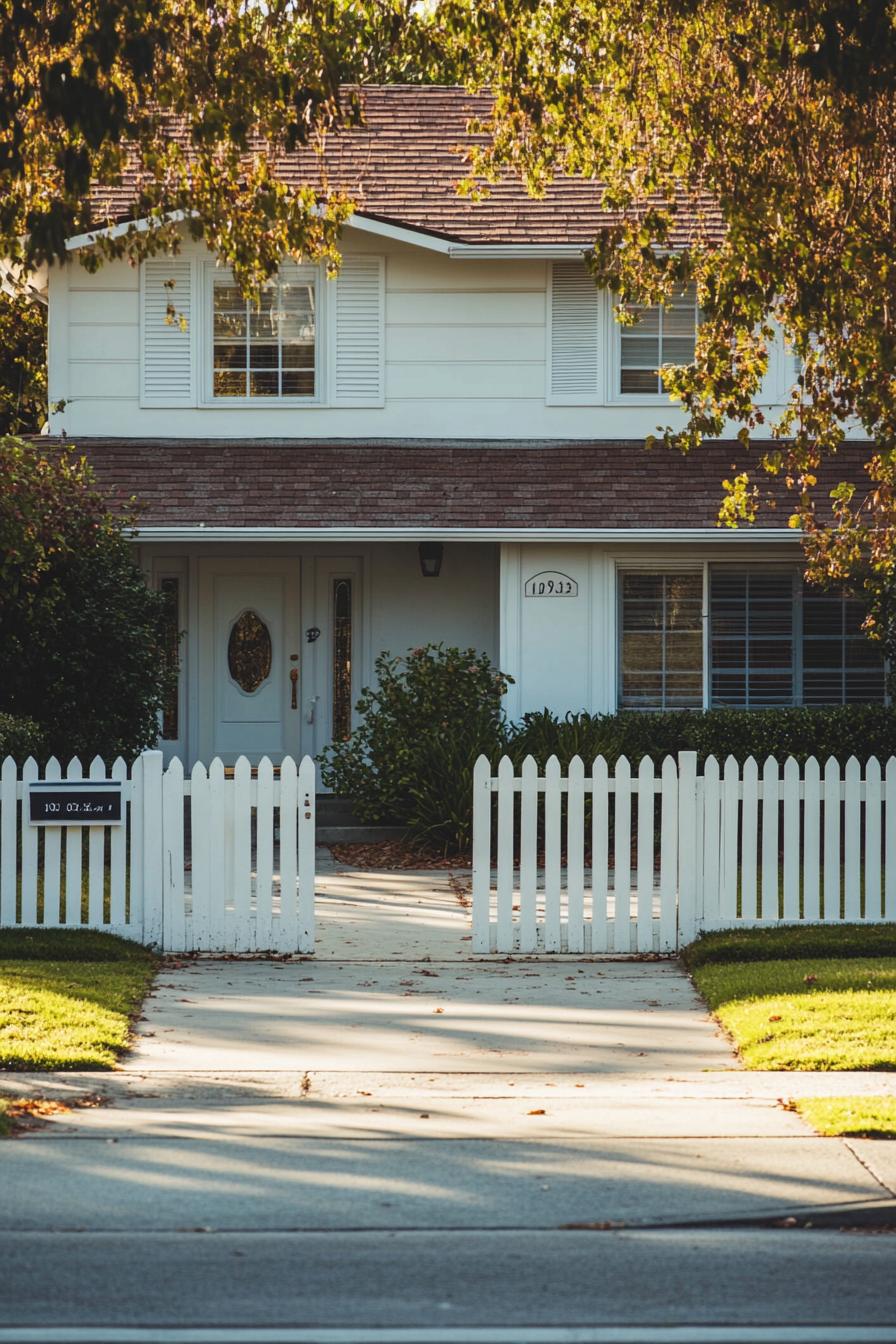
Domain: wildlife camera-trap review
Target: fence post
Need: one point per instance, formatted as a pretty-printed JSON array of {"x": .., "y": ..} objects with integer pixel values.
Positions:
[
  {"x": 482, "y": 844},
  {"x": 687, "y": 846},
  {"x": 307, "y": 797},
  {"x": 153, "y": 870}
]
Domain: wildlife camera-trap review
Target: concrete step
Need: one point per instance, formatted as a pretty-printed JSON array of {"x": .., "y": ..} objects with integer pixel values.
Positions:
[{"x": 357, "y": 835}]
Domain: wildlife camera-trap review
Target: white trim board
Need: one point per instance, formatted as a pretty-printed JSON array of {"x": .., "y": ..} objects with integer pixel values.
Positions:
[
  {"x": 624, "y": 536},
  {"x": 400, "y": 233}
]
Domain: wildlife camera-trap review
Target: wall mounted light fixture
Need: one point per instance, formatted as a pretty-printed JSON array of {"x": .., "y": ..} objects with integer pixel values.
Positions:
[{"x": 430, "y": 553}]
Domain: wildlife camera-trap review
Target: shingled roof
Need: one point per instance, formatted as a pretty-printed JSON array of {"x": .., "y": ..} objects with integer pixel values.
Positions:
[
  {"x": 429, "y": 483},
  {"x": 403, "y": 166}
]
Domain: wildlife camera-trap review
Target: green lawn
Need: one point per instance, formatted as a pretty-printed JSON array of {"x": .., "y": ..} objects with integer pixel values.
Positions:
[
  {"x": 67, "y": 998},
  {"x": 802, "y": 998},
  {"x": 861, "y": 1117}
]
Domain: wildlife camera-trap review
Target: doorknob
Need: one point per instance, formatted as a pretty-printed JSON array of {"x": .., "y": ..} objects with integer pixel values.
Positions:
[{"x": 294, "y": 678}]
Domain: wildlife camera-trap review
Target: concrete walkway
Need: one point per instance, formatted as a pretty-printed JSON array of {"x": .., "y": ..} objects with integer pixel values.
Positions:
[{"x": 373, "y": 1140}]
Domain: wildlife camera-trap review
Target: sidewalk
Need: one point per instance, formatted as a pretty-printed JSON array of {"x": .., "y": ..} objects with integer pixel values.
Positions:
[{"x": 361, "y": 1098}]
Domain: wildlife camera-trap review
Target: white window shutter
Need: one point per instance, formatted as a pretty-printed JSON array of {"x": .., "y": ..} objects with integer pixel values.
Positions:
[
  {"x": 166, "y": 365},
  {"x": 358, "y": 358},
  {"x": 575, "y": 335}
]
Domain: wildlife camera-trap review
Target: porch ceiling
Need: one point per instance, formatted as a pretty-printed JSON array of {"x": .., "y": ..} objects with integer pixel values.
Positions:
[{"x": 431, "y": 484}]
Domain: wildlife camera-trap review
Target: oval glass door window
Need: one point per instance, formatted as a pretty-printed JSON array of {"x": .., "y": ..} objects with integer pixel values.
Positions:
[{"x": 249, "y": 652}]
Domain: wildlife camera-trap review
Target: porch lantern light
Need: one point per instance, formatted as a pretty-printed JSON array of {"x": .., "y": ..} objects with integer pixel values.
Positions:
[{"x": 430, "y": 553}]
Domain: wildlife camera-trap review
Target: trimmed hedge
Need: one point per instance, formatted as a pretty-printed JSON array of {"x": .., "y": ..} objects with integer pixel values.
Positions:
[
  {"x": 841, "y": 731},
  {"x": 791, "y": 942},
  {"x": 58, "y": 945}
]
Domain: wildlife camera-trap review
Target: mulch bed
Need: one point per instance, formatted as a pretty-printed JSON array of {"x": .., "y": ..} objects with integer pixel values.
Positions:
[{"x": 396, "y": 854}]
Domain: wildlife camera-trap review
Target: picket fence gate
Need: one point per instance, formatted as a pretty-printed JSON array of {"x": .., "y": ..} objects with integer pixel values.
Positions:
[
  {"x": 671, "y": 852},
  {"x": 219, "y": 861}
]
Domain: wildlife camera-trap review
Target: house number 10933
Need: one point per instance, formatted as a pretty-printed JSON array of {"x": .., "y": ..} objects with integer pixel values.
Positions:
[{"x": 551, "y": 583}]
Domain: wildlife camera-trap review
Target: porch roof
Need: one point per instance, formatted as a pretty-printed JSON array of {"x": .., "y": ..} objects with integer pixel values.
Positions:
[{"x": 433, "y": 484}]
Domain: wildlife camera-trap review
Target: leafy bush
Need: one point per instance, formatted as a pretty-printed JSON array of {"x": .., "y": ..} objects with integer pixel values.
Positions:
[
  {"x": 84, "y": 640},
  {"x": 21, "y": 738},
  {"x": 430, "y": 715},
  {"x": 840, "y": 731}
]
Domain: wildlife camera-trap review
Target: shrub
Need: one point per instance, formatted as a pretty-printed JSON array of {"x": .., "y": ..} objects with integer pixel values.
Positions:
[
  {"x": 21, "y": 738},
  {"x": 431, "y": 713},
  {"x": 84, "y": 640}
]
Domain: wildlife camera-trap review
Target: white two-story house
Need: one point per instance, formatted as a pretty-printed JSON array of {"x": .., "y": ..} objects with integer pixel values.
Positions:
[{"x": 445, "y": 443}]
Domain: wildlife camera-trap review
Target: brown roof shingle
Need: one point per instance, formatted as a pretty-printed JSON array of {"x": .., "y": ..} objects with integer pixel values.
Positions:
[
  {"x": 403, "y": 167},
  {"x": 429, "y": 483}
]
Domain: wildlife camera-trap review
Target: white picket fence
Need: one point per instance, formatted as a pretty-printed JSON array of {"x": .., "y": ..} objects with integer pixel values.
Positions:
[
  {"x": 670, "y": 852},
  {"x": 222, "y": 861}
]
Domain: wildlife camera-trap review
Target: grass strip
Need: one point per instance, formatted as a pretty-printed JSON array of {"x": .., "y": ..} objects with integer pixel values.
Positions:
[
  {"x": 857, "y": 1117},
  {"x": 819, "y": 1014},
  {"x": 68, "y": 997}
]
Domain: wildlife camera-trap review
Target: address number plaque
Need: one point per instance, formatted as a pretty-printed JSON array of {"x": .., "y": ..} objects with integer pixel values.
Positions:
[
  {"x": 72, "y": 802},
  {"x": 551, "y": 583}
]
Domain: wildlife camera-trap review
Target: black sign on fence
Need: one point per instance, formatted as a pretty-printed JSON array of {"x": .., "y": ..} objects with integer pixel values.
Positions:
[{"x": 71, "y": 802}]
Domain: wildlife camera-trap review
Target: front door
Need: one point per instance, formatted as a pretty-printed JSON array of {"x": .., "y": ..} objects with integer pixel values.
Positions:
[{"x": 250, "y": 671}]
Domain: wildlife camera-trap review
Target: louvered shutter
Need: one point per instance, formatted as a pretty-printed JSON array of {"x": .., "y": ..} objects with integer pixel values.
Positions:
[
  {"x": 166, "y": 364},
  {"x": 358, "y": 357},
  {"x": 575, "y": 335}
]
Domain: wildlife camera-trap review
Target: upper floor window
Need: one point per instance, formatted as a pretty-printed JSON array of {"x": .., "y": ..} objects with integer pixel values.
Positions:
[
  {"x": 265, "y": 349},
  {"x": 659, "y": 336}
]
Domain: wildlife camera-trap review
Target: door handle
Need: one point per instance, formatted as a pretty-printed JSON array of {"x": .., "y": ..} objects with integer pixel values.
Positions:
[{"x": 294, "y": 678}]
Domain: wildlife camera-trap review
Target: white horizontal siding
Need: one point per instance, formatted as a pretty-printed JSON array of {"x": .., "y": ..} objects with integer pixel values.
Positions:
[
  {"x": 104, "y": 306},
  {"x": 409, "y": 270},
  {"x": 462, "y": 343},
  {"x": 114, "y": 275},
  {"x": 98, "y": 342},
  {"x": 461, "y": 309},
  {"x": 104, "y": 379},
  {"x": 465, "y": 379}
]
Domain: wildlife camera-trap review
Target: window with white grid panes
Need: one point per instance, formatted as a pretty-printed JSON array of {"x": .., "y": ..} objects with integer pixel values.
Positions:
[
  {"x": 658, "y": 336},
  {"x": 661, "y": 647},
  {"x": 265, "y": 349}
]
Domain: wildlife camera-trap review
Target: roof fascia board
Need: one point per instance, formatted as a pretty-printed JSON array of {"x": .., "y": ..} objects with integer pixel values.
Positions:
[
  {"x": 517, "y": 251},
  {"x": 682, "y": 535},
  {"x": 119, "y": 230},
  {"x": 400, "y": 233},
  {"x": 380, "y": 228}
]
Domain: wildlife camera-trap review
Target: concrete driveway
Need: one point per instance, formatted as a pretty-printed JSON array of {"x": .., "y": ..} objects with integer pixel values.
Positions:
[{"x": 436, "y": 1142}]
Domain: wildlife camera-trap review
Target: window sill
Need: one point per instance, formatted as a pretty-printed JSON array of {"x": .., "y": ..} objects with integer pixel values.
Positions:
[{"x": 265, "y": 403}]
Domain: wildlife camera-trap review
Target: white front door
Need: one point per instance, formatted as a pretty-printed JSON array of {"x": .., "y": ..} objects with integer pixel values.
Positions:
[{"x": 250, "y": 672}]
